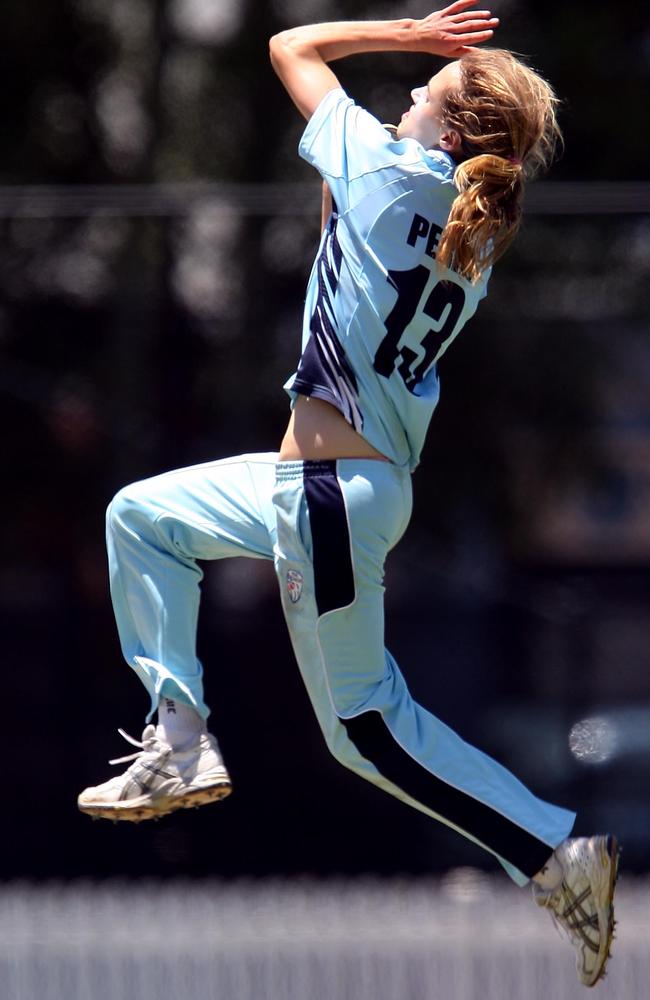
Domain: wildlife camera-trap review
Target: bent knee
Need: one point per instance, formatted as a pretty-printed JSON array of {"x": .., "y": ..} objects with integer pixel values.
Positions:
[{"x": 127, "y": 508}]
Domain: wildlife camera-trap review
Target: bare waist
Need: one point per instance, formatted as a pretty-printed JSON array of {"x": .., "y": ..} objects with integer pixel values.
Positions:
[{"x": 318, "y": 430}]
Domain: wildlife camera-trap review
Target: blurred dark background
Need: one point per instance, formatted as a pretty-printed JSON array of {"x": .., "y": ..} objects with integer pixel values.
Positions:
[{"x": 157, "y": 231}]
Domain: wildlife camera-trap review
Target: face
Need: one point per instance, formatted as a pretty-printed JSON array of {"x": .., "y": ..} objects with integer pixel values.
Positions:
[{"x": 422, "y": 121}]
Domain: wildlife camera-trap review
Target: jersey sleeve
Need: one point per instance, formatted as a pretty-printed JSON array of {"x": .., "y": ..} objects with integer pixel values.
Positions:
[{"x": 346, "y": 144}]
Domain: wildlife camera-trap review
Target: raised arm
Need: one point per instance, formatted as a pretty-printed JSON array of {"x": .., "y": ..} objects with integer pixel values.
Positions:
[{"x": 300, "y": 55}]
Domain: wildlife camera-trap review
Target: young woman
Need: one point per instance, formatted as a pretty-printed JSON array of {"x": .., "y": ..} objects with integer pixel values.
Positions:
[{"x": 418, "y": 216}]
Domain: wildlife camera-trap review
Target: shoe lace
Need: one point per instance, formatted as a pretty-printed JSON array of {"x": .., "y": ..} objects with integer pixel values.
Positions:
[{"x": 143, "y": 745}]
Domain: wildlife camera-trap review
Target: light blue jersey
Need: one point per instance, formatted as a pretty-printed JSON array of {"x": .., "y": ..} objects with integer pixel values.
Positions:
[{"x": 379, "y": 311}]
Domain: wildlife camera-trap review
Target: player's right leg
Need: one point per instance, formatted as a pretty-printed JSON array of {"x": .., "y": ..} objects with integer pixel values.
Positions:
[{"x": 156, "y": 531}]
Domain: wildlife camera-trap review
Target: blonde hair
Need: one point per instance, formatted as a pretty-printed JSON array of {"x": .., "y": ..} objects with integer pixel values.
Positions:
[{"x": 505, "y": 114}]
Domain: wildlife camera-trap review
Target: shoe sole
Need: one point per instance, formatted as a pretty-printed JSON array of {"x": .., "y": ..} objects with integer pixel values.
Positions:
[{"x": 136, "y": 812}]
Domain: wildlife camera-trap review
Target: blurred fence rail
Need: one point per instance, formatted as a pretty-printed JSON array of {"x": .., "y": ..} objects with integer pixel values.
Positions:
[
  {"x": 285, "y": 198},
  {"x": 465, "y": 937}
]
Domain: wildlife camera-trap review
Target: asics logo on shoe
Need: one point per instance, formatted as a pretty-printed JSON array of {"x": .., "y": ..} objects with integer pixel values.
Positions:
[
  {"x": 157, "y": 771},
  {"x": 144, "y": 783},
  {"x": 578, "y": 918}
]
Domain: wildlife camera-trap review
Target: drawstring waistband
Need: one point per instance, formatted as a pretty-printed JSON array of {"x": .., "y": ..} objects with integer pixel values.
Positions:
[{"x": 305, "y": 469}]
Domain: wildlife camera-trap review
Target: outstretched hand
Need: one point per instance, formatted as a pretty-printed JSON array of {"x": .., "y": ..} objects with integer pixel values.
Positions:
[{"x": 454, "y": 30}]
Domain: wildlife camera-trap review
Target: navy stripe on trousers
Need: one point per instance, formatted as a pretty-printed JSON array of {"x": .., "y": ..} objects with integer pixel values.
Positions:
[
  {"x": 335, "y": 588},
  {"x": 332, "y": 558}
]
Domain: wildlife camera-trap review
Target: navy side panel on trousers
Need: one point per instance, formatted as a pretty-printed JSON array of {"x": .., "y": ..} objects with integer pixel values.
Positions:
[
  {"x": 373, "y": 740},
  {"x": 332, "y": 558}
]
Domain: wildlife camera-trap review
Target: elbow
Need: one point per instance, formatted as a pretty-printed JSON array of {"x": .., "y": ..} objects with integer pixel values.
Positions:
[
  {"x": 278, "y": 47},
  {"x": 284, "y": 46},
  {"x": 274, "y": 44}
]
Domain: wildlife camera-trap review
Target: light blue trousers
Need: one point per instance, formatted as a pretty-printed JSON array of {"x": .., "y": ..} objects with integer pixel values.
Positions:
[{"x": 328, "y": 526}]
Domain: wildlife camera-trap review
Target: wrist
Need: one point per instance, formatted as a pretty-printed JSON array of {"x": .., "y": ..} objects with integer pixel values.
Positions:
[{"x": 407, "y": 33}]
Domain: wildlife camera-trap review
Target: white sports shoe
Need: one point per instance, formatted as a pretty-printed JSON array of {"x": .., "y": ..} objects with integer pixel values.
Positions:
[
  {"x": 160, "y": 780},
  {"x": 582, "y": 905}
]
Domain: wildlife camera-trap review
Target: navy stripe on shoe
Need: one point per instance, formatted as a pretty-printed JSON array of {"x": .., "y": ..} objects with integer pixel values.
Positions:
[
  {"x": 332, "y": 556},
  {"x": 374, "y": 741}
]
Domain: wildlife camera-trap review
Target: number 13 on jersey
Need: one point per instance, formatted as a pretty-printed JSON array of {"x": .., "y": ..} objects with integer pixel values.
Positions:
[{"x": 411, "y": 286}]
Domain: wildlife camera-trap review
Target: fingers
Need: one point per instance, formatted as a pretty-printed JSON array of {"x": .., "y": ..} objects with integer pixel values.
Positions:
[
  {"x": 463, "y": 27},
  {"x": 459, "y": 14},
  {"x": 473, "y": 38},
  {"x": 459, "y": 6},
  {"x": 478, "y": 16},
  {"x": 457, "y": 27}
]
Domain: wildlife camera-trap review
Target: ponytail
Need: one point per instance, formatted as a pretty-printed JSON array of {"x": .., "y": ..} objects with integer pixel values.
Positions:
[
  {"x": 504, "y": 114},
  {"x": 485, "y": 216}
]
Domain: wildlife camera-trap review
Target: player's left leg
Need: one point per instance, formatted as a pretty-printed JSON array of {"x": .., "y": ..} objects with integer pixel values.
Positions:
[{"x": 336, "y": 523}]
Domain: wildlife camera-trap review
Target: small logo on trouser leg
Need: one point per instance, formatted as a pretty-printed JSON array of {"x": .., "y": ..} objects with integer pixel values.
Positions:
[{"x": 294, "y": 585}]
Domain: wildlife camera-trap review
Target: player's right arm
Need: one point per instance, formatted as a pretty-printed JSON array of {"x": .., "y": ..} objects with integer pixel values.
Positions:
[{"x": 300, "y": 56}]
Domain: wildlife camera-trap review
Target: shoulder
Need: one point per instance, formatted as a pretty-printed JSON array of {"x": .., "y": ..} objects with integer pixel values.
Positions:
[
  {"x": 440, "y": 164},
  {"x": 338, "y": 120}
]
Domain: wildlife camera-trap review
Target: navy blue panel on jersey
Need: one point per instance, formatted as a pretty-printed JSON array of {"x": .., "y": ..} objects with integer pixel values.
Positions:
[
  {"x": 374, "y": 741},
  {"x": 332, "y": 558},
  {"x": 324, "y": 370}
]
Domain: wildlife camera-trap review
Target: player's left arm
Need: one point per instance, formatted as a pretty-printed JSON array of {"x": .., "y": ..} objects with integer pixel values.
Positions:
[{"x": 301, "y": 55}]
